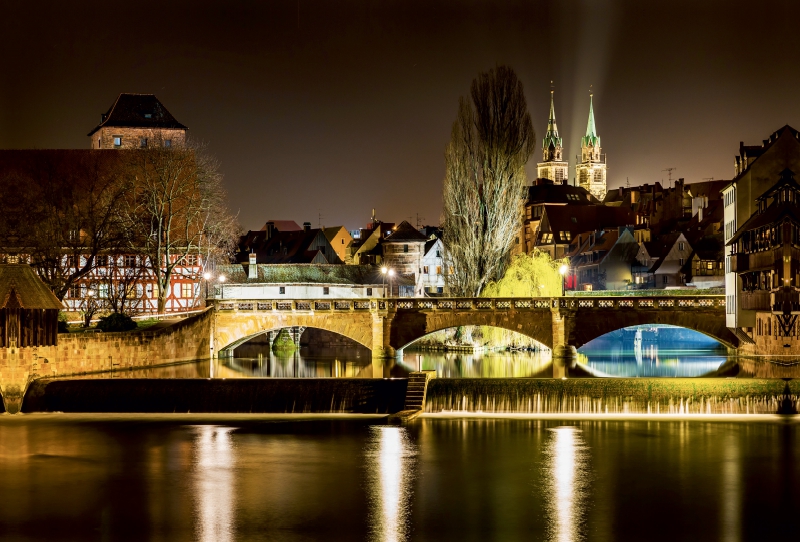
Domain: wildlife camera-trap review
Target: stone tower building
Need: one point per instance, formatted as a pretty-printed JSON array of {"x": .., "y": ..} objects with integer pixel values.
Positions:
[
  {"x": 137, "y": 121},
  {"x": 552, "y": 166},
  {"x": 590, "y": 172}
]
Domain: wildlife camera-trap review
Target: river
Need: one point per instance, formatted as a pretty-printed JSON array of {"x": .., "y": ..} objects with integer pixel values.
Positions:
[{"x": 236, "y": 477}]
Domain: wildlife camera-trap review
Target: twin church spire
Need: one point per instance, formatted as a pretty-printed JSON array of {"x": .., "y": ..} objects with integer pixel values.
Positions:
[{"x": 590, "y": 171}]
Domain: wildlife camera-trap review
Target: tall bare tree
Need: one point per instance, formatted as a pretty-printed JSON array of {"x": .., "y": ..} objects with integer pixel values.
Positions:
[
  {"x": 62, "y": 209},
  {"x": 491, "y": 141},
  {"x": 176, "y": 210}
]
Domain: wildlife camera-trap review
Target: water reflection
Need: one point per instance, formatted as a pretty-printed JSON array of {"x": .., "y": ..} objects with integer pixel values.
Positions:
[
  {"x": 731, "y": 491},
  {"x": 390, "y": 457},
  {"x": 214, "y": 484},
  {"x": 568, "y": 484}
]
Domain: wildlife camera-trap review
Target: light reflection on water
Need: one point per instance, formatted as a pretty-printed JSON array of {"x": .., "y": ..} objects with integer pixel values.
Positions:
[
  {"x": 214, "y": 480},
  {"x": 568, "y": 483},
  {"x": 390, "y": 462}
]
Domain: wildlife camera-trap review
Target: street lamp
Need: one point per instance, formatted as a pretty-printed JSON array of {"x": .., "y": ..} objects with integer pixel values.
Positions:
[
  {"x": 391, "y": 274},
  {"x": 384, "y": 270},
  {"x": 207, "y": 277},
  {"x": 563, "y": 270},
  {"x": 221, "y": 280}
]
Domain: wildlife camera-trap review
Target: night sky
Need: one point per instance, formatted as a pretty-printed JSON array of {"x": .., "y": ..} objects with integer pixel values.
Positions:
[{"x": 338, "y": 107}]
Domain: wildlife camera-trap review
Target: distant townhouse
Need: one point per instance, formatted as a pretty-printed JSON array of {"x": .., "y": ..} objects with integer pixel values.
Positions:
[
  {"x": 660, "y": 264},
  {"x": 403, "y": 251},
  {"x": 272, "y": 246},
  {"x": 604, "y": 258},
  {"x": 432, "y": 278},
  {"x": 137, "y": 121}
]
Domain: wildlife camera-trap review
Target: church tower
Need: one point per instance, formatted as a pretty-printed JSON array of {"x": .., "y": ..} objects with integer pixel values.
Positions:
[
  {"x": 552, "y": 166},
  {"x": 590, "y": 172}
]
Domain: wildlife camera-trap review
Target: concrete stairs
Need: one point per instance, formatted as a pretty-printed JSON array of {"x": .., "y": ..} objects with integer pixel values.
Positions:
[{"x": 415, "y": 396}]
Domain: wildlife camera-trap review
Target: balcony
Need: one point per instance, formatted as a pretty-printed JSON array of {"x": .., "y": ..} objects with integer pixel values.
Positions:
[
  {"x": 758, "y": 300},
  {"x": 785, "y": 301},
  {"x": 766, "y": 259}
]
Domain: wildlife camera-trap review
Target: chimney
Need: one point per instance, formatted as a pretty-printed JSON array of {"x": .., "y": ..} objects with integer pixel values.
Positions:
[
  {"x": 252, "y": 269},
  {"x": 306, "y": 226},
  {"x": 270, "y": 229}
]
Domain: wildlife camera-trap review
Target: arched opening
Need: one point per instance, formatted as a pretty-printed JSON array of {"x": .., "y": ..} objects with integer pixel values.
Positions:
[
  {"x": 297, "y": 352},
  {"x": 478, "y": 352},
  {"x": 653, "y": 350}
]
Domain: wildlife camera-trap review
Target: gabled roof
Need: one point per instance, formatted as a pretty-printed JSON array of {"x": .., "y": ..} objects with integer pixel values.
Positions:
[
  {"x": 282, "y": 225},
  {"x": 333, "y": 231},
  {"x": 757, "y": 151},
  {"x": 138, "y": 111},
  {"x": 405, "y": 232},
  {"x": 302, "y": 246},
  {"x": 21, "y": 288}
]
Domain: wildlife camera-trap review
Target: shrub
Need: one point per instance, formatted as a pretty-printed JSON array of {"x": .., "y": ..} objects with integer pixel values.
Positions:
[
  {"x": 116, "y": 322},
  {"x": 63, "y": 325}
]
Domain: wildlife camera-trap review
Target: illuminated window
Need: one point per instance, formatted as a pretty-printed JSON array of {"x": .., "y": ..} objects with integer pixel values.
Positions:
[
  {"x": 186, "y": 290},
  {"x": 117, "y": 141},
  {"x": 439, "y": 270},
  {"x": 425, "y": 270}
]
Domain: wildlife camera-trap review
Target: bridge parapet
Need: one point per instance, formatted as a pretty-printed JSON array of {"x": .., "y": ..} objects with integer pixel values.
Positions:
[{"x": 472, "y": 304}]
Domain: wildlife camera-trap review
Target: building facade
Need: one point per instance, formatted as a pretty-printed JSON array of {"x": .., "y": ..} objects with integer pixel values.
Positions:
[
  {"x": 137, "y": 121},
  {"x": 553, "y": 166},
  {"x": 590, "y": 172}
]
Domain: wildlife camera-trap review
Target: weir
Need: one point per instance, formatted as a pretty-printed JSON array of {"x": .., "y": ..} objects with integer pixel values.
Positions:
[{"x": 611, "y": 396}]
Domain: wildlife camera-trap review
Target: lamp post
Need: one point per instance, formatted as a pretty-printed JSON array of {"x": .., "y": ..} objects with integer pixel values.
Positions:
[
  {"x": 391, "y": 274},
  {"x": 384, "y": 270},
  {"x": 207, "y": 277},
  {"x": 221, "y": 280},
  {"x": 563, "y": 270}
]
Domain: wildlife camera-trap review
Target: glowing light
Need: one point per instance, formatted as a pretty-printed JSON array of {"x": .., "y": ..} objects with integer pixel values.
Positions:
[
  {"x": 384, "y": 270},
  {"x": 214, "y": 484},
  {"x": 563, "y": 269},
  {"x": 568, "y": 483},
  {"x": 222, "y": 278},
  {"x": 391, "y": 272},
  {"x": 207, "y": 276},
  {"x": 390, "y": 483}
]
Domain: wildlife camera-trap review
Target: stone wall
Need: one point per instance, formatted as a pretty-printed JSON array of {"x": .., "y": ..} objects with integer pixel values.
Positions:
[
  {"x": 81, "y": 353},
  {"x": 104, "y": 137}
]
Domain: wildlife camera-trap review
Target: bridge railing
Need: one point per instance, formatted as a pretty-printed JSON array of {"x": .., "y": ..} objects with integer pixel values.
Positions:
[{"x": 472, "y": 304}]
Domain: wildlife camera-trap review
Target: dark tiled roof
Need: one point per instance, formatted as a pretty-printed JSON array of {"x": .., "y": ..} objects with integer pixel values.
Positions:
[
  {"x": 305, "y": 274},
  {"x": 21, "y": 287},
  {"x": 138, "y": 111},
  {"x": 559, "y": 193},
  {"x": 287, "y": 247},
  {"x": 405, "y": 232},
  {"x": 282, "y": 225}
]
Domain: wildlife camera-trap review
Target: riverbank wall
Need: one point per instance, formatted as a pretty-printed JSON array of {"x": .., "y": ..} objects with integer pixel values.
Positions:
[
  {"x": 267, "y": 395},
  {"x": 87, "y": 353},
  {"x": 611, "y": 395}
]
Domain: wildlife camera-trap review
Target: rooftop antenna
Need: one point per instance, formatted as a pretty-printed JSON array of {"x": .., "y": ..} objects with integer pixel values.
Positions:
[
  {"x": 419, "y": 221},
  {"x": 669, "y": 171},
  {"x": 627, "y": 182},
  {"x": 319, "y": 218},
  {"x": 708, "y": 178}
]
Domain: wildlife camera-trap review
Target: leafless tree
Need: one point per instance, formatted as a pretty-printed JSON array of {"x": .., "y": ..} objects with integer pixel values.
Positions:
[
  {"x": 491, "y": 141},
  {"x": 61, "y": 209},
  {"x": 122, "y": 285},
  {"x": 177, "y": 209}
]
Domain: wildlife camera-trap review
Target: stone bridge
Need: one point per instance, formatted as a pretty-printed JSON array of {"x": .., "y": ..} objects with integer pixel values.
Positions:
[{"x": 388, "y": 325}]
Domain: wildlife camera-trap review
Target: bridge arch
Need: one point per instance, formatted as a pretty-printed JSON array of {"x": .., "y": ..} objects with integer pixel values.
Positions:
[
  {"x": 600, "y": 322},
  {"x": 235, "y": 328},
  {"x": 409, "y": 326}
]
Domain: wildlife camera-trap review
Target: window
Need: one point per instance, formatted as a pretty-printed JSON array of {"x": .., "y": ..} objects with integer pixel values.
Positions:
[
  {"x": 326, "y": 290},
  {"x": 665, "y": 279},
  {"x": 167, "y": 142},
  {"x": 75, "y": 291},
  {"x": 405, "y": 248},
  {"x": 425, "y": 270},
  {"x": 369, "y": 291},
  {"x": 117, "y": 141},
  {"x": 102, "y": 291},
  {"x": 130, "y": 261},
  {"x": 342, "y": 241},
  {"x": 710, "y": 265},
  {"x": 282, "y": 290},
  {"x": 148, "y": 115},
  {"x": 547, "y": 238},
  {"x": 681, "y": 246},
  {"x": 438, "y": 253},
  {"x": 565, "y": 235},
  {"x": 101, "y": 261},
  {"x": 143, "y": 142},
  {"x": 439, "y": 290},
  {"x": 439, "y": 270},
  {"x": 681, "y": 261},
  {"x": 186, "y": 290}
]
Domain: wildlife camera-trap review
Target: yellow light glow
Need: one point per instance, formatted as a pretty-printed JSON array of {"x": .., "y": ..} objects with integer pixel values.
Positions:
[
  {"x": 568, "y": 483},
  {"x": 392, "y": 456},
  {"x": 214, "y": 484}
]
